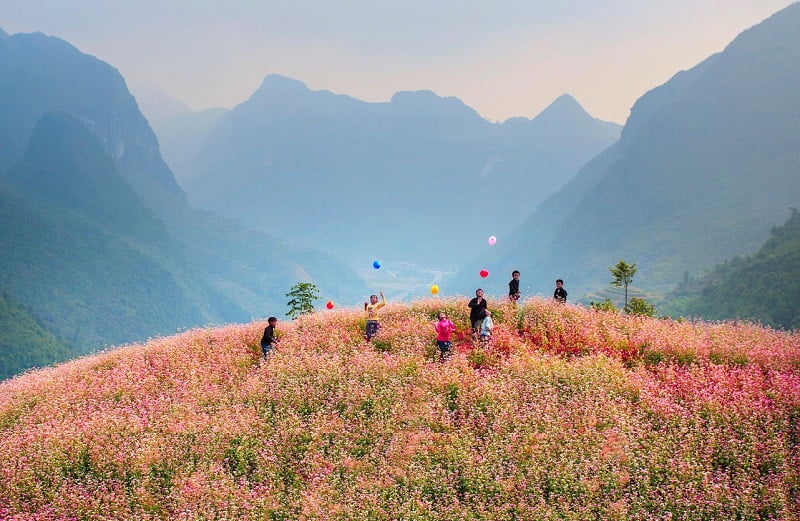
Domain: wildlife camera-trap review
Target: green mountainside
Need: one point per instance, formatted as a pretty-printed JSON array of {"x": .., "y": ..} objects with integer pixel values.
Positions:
[
  {"x": 65, "y": 169},
  {"x": 86, "y": 256},
  {"x": 24, "y": 342},
  {"x": 764, "y": 287}
]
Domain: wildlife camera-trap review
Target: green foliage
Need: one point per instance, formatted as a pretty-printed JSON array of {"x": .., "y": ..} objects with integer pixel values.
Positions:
[
  {"x": 653, "y": 357},
  {"x": 640, "y": 306},
  {"x": 382, "y": 346},
  {"x": 302, "y": 297},
  {"x": 241, "y": 456},
  {"x": 605, "y": 305},
  {"x": 623, "y": 275},
  {"x": 99, "y": 243}
]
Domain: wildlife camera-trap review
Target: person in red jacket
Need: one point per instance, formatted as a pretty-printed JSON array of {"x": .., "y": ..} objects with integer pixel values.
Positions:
[{"x": 444, "y": 328}]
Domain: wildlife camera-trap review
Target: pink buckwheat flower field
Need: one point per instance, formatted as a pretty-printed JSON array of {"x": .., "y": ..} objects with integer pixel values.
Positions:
[{"x": 568, "y": 413}]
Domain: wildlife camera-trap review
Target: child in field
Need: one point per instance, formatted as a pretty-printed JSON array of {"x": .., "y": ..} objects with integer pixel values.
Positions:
[
  {"x": 560, "y": 294},
  {"x": 444, "y": 328},
  {"x": 477, "y": 308},
  {"x": 269, "y": 337},
  {"x": 513, "y": 287},
  {"x": 372, "y": 315},
  {"x": 486, "y": 328}
]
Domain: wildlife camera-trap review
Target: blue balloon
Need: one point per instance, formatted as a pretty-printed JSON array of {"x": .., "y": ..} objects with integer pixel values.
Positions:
[{"x": 376, "y": 264}]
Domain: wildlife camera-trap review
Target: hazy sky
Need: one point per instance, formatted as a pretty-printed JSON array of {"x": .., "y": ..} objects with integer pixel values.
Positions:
[{"x": 502, "y": 58}]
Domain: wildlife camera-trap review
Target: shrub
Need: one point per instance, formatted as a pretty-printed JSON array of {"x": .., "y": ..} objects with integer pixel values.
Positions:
[
  {"x": 641, "y": 307},
  {"x": 605, "y": 305}
]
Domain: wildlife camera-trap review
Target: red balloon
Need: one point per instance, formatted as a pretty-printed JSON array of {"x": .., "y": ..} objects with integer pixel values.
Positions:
[
  {"x": 329, "y": 305},
  {"x": 484, "y": 273}
]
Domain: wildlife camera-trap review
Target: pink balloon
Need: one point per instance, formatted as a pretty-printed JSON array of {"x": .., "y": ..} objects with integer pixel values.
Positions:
[
  {"x": 484, "y": 273},
  {"x": 492, "y": 240}
]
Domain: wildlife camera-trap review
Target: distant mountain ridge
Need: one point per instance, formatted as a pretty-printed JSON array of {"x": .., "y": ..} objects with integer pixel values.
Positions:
[
  {"x": 313, "y": 165},
  {"x": 183, "y": 136},
  {"x": 158, "y": 106},
  {"x": 181, "y": 132},
  {"x": 98, "y": 241},
  {"x": 706, "y": 165},
  {"x": 38, "y": 67}
]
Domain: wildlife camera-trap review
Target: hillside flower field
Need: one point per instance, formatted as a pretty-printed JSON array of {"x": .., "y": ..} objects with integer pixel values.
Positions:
[{"x": 568, "y": 414}]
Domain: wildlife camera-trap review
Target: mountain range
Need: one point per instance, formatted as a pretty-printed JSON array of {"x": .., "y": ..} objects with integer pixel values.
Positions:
[
  {"x": 181, "y": 132},
  {"x": 157, "y": 106},
  {"x": 99, "y": 244},
  {"x": 420, "y": 178},
  {"x": 706, "y": 165},
  {"x": 87, "y": 255}
]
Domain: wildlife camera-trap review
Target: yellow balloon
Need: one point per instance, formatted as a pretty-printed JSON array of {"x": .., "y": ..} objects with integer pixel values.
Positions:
[{"x": 434, "y": 289}]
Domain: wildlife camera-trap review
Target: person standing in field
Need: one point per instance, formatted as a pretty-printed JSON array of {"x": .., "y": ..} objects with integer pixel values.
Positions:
[
  {"x": 268, "y": 339},
  {"x": 371, "y": 308},
  {"x": 444, "y": 328},
  {"x": 513, "y": 287},
  {"x": 486, "y": 328},
  {"x": 477, "y": 311},
  {"x": 560, "y": 294}
]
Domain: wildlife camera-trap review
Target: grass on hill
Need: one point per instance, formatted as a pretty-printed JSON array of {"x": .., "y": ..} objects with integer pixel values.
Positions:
[{"x": 569, "y": 414}]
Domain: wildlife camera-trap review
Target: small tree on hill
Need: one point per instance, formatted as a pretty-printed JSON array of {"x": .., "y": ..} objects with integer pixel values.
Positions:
[
  {"x": 302, "y": 297},
  {"x": 639, "y": 306},
  {"x": 623, "y": 275},
  {"x": 605, "y": 305}
]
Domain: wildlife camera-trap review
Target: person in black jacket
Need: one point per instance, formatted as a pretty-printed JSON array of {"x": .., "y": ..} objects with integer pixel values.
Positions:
[
  {"x": 560, "y": 294},
  {"x": 477, "y": 311},
  {"x": 269, "y": 336},
  {"x": 513, "y": 287}
]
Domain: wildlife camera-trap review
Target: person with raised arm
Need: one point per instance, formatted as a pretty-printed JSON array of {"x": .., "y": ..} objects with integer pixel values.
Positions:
[{"x": 371, "y": 308}]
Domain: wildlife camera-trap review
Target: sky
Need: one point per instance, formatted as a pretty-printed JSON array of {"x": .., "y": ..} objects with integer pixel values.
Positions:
[{"x": 502, "y": 58}]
